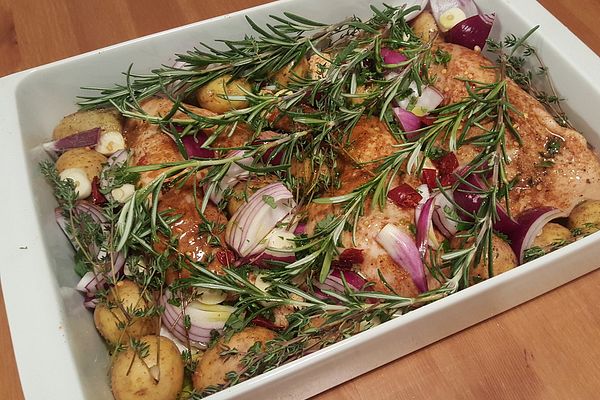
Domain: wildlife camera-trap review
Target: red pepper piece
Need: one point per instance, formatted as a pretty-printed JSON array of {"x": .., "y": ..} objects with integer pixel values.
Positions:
[
  {"x": 404, "y": 196},
  {"x": 428, "y": 120},
  {"x": 97, "y": 197},
  {"x": 428, "y": 177},
  {"x": 446, "y": 164}
]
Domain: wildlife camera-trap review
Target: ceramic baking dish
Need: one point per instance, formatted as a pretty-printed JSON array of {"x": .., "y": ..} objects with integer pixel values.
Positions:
[{"x": 58, "y": 351}]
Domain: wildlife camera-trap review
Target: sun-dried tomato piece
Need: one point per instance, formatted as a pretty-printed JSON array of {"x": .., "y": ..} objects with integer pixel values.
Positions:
[{"x": 404, "y": 196}]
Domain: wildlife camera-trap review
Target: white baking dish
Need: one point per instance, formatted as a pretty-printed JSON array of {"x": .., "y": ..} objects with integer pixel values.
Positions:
[{"x": 58, "y": 352}]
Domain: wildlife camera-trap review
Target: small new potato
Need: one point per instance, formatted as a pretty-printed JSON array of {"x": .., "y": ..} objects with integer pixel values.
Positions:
[
  {"x": 586, "y": 217},
  {"x": 213, "y": 95},
  {"x": 213, "y": 367},
  {"x": 504, "y": 259},
  {"x": 88, "y": 160},
  {"x": 157, "y": 376},
  {"x": 291, "y": 72},
  {"x": 112, "y": 323},
  {"x": 106, "y": 120},
  {"x": 424, "y": 26},
  {"x": 552, "y": 234}
]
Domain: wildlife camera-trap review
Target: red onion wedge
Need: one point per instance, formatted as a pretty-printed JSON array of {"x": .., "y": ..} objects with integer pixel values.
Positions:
[
  {"x": 424, "y": 226},
  {"x": 448, "y": 13},
  {"x": 253, "y": 221},
  {"x": 203, "y": 319},
  {"x": 193, "y": 146},
  {"x": 93, "y": 281},
  {"x": 444, "y": 214},
  {"x": 87, "y": 138},
  {"x": 392, "y": 57},
  {"x": 235, "y": 174},
  {"x": 530, "y": 224},
  {"x": 404, "y": 252},
  {"x": 467, "y": 198},
  {"x": 409, "y": 122},
  {"x": 335, "y": 281},
  {"x": 473, "y": 32}
]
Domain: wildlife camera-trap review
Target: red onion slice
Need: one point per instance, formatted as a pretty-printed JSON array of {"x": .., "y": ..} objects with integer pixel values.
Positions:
[
  {"x": 473, "y": 32},
  {"x": 530, "y": 224},
  {"x": 424, "y": 226},
  {"x": 443, "y": 214},
  {"x": 404, "y": 252},
  {"x": 392, "y": 57},
  {"x": 87, "y": 138},
  {"x": 203, "y": 320},
  {"x": 253, "y": 221},
  {"x": 193, "y": 146}
]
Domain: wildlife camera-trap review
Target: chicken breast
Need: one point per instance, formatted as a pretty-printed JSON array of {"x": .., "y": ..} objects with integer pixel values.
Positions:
[
  {"x": 575, "y": 174},
  {"x": 149, "y": 145}
]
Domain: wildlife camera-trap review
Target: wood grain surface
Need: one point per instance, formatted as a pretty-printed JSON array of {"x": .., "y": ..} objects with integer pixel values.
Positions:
[{"x": 548, "y": 348}]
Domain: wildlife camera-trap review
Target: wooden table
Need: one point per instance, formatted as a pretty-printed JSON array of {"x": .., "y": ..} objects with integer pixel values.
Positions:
[{"x": 548, "y": 348}]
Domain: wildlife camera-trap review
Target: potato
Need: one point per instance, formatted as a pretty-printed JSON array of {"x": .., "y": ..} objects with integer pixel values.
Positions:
[
  {"x": 360, "y": 90},
  {"x": 88, "y": 160},
  {"x": 210, "y": 96},
  {"x": 504, "y": 259},
  {"x": 212, "y": 368},
  {"x": 552, "y": 234},
  {"x": 586, "y": 217},
  {"x": 291, "y": 72},
  {"x": 157, "y": 376},
  {"x": 424, "y": 26},
  {"x": 112, "y": 323},
  {"x": 107, "y": 120},
  {"x": 318, "y": 65}
]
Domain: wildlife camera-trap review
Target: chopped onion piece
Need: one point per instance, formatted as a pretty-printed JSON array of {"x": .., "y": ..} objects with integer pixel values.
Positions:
[
  {"x": 253, "y": 221},
  {"x": 392, "y": 57},
  {"x": 193, "y": 146},
  {"x": 404, "y": 252}
]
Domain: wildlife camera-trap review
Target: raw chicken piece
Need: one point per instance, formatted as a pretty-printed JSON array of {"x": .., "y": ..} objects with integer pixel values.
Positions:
[
  {"x": 574, "y": 177},
  {"x": 149, "y": 145}
]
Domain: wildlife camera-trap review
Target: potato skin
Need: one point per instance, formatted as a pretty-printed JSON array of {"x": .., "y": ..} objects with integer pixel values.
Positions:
[
  {"x": 424, "y": 26},
  {"x": 88, "y": 160},
  {"x": 209, "y": 95},
  {"x": 107, "y": 120},
  {"x": 586, "y": 217},
  {"x": 109, "y": 319},
  {"x": 140, "y": 382},
  {"x": 551, "y": 234},
  {"x": 504, "y": 259},
  {"x": 212, "y": 368}
]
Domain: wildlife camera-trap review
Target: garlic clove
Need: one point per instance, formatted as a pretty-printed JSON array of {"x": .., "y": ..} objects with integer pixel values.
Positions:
[
  {"x": 110, "y": 142},
  {"x": 123, "y": 194},
  {"x": 451, "y": 17},
  {"x": 83, "y": 186}
]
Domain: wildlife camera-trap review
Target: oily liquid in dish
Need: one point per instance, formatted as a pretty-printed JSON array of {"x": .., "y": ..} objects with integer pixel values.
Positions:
[{"x": 353, "y": 281}]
